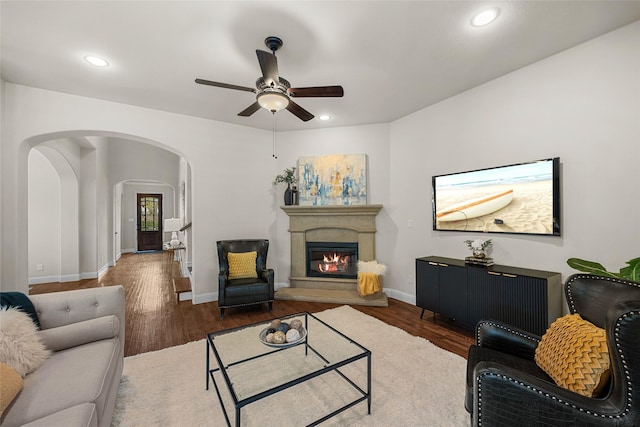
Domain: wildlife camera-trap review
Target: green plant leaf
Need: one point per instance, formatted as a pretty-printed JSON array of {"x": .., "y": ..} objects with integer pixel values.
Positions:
[
  {"x": 590, "y": 267},
  {"x": 632, "y": 270}
]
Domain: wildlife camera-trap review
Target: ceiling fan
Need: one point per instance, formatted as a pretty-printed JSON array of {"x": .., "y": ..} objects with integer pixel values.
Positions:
[{"x": 273, "y": 92}]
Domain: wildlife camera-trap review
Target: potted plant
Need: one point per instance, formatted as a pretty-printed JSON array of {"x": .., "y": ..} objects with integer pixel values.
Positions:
[
  {"x": 478, "y": 247},
  {"x": 288, "y": 177},
  {"x": 631, "y": 271}
]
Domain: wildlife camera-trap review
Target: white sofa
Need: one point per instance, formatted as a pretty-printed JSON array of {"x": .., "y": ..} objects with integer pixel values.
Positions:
[{"x": 78, "y": 384}]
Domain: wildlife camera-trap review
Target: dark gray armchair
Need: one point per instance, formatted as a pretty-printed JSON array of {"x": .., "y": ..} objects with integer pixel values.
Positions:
[
  {"x": 248, "y": 291},
  {"x": 505, "y": 387}
]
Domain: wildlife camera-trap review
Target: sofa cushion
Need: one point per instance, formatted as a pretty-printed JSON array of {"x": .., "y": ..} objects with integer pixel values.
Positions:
[
  {"x": 574, "y": 353},
  {"x": 83, "y": 415},
  {"x": 20, "y": 346},
  {"x": 22, "y": 301},
  {"x": 81, "y": 374},
  {"x": 79, "y": 333},
  {"x": 242, "y": 265},
  {"x": 10, "y": 386}
]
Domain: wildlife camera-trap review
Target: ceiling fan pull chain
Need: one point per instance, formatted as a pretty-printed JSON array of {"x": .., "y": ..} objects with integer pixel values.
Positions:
[{"x": 274, "y": 148}]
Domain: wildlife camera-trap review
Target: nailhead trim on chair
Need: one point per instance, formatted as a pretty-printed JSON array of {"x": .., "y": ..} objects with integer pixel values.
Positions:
[
  {"x": 506, "y": 328},
  {"x": 513, "y": 380},
  {"x": 570, "y": 301},
  {"x": 624, "y": 364}
]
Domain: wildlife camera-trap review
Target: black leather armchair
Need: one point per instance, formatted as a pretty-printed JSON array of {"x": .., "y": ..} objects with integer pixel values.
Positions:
[
  {"x": 240, "y": 292},
  {"x": 505, "y": 387}
]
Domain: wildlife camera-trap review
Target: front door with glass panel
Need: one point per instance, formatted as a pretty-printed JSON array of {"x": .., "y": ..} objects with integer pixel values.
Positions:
[{"x": 149, "y": 222}]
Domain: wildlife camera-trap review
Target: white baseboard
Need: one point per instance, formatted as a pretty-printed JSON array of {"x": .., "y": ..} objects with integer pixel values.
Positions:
[
  {"x": 89, "y": 275},
  {"x": 185, "y": 296},
  {"x": 281, "y": 285},
  {"x": 401, "y": 296},
  {"x": 70, "y": 277},
  {"x": 43, "y": 279},
  {"x": 54, "y": 279},
  {"x": 208, "y": 297},
  {"x": 103, "y": 269}
]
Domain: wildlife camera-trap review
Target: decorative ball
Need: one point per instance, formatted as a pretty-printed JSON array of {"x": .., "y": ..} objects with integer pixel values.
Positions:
[
  {"x": 275, "y": 323},
  {"x": 292, "y": 335},
  {"x": 279, "y": 337},
  {"x": 270, "y": 330},
  {"x": 269, "y": 337},
  {"x": 283, "y": 326},
  {"x": 296, "y": 324}
]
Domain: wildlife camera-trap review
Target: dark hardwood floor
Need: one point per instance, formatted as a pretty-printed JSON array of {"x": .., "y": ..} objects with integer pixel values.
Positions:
[{"x": 156, "y": 320}]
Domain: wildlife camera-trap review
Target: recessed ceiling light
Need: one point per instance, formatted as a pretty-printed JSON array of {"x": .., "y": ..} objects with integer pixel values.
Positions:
[
  {"x": 485, "y": 17},
  {"x": 96, "y": 60},
  {"x": 324, "y": 117}
]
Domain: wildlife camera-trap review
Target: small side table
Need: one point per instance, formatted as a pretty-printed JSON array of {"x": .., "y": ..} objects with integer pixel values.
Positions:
[{"x": 180, "y": 284}]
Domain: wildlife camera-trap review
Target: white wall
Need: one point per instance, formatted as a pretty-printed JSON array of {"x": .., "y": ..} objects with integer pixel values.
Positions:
[
  {"x": 582, "y": 105},
  {"x": 44, "y": 219},
  {"x": 135, "y": 161}
]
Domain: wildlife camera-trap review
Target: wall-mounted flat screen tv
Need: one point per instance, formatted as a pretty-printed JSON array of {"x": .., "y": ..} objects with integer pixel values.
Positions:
[{"x": 522, "y": 198}]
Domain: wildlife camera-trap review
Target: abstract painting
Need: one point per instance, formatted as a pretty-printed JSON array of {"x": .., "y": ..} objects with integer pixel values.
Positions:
[{"x": 337, "y": 179}]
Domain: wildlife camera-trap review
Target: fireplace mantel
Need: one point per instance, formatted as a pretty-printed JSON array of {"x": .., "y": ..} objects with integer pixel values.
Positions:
[
  {"x": 294, "y": 210},
  {"x": 354, "y": 223}
]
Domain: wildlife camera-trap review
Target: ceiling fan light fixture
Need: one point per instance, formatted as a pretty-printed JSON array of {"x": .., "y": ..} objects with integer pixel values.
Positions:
[
  {"x": 273, "y": 101},
  {"x": 324, "y": 117},
  {"x": 485, "y": 17}
]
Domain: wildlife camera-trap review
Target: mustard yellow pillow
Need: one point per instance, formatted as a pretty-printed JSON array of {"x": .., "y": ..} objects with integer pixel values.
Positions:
[
  {"x": 242, "y": 265},
  {"x": 10, "y": 386},
  {"x": 574, "y": 353}
]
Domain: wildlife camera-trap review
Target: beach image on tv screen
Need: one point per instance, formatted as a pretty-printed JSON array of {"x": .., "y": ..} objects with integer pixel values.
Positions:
[{"x": 509, "y": 199}]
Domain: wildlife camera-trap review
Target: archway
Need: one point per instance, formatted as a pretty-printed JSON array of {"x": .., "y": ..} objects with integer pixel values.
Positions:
[{"x": 84, "y": 163}]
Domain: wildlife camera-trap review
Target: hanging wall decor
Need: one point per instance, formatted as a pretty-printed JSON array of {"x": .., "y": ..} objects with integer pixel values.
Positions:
[{"x": 337, "y": 179}]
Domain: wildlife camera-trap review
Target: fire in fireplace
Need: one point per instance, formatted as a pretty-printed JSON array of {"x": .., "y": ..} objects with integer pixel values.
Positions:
[{"x": 332, "y": 259}]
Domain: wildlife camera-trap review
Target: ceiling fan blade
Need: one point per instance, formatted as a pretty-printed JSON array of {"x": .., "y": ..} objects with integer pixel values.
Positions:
[
  {"x": 250, "y": 110},
  {"x": 269, "y": 66},
  {"x": 319, "y": 91},
  {"x": 299, "y": 112},
  {"x": 225, "y": 85}
]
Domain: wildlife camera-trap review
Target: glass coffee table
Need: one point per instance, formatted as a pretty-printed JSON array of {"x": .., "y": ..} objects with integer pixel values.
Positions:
[{"x": 323, "y": 360}]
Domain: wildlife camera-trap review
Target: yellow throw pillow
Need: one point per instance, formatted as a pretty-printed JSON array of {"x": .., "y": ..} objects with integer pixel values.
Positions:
[
  {"x": 574, "y": 353},
  {"x": 242, "y": 265},
  {"x": 10, "y": 386}
]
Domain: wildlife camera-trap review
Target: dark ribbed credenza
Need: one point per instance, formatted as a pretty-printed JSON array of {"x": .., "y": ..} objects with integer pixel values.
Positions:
[{"x": 466, "y": 293}]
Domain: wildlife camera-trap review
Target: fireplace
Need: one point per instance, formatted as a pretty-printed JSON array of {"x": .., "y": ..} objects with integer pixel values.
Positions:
[
  {"x": 340, "y": 224},
  {"x": 332, "y": 259},
  {"x": 340, "y": 230}
]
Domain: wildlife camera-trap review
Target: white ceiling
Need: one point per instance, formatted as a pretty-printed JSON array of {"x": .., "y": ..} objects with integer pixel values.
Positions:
[{"x": 391, "y": 57}]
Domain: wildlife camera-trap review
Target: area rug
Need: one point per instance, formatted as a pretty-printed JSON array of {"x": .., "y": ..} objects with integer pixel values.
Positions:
[{"x": 413, "y": 383}]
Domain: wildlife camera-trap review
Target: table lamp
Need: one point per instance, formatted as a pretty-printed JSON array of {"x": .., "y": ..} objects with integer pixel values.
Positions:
[{"x": 173, "y": 225}]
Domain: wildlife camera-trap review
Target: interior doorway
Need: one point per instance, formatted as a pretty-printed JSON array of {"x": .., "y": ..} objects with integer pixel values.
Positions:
[{"x": 149, "y": 212}]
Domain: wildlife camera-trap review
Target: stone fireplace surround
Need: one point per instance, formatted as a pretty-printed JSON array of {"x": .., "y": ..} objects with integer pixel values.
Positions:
[{"x": 356, "y": 223}]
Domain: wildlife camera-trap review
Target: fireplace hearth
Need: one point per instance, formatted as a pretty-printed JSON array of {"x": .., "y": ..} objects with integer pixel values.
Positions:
[{"x": 332, "y": 259}]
